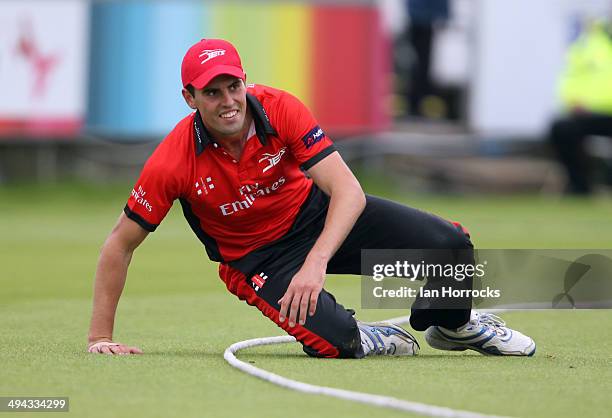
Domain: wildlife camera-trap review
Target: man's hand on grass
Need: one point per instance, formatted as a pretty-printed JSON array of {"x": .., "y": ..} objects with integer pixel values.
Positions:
[{"x": 112, "y": 348}]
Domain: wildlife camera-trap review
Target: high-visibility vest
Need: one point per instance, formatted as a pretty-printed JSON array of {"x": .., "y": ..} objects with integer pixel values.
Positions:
[{"x": 587, "y": 80}]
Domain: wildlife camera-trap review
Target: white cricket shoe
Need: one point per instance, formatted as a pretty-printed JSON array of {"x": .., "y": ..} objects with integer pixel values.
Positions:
[
  {"x": 485, "y": 333},
  {"x": 387, "y": 339}
]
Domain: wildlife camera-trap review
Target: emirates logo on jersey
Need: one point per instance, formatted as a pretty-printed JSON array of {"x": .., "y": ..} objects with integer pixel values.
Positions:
[
  {"x": 139, "y": 197},
  {"x": 209, "y": 54},
  {"x": 249, "y": 193},
  {"x": 272, "y": 159}
]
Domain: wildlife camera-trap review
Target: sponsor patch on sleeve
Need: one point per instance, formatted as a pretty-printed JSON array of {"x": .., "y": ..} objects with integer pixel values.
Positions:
[{"x": 313, "y": 136}]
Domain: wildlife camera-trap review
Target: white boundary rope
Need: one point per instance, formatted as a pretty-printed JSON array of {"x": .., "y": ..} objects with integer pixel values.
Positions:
[{"x": 366, "y": 398}]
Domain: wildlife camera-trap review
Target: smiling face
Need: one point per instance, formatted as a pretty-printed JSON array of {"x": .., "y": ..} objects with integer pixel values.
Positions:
[{"x": 223, "y": 107}]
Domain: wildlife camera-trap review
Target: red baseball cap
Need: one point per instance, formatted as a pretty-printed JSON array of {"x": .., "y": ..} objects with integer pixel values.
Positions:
[{"x": 208, "y": 59}]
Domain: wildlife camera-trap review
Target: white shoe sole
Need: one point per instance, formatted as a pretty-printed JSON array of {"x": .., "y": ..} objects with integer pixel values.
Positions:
[{"x": 435, "y": 340}]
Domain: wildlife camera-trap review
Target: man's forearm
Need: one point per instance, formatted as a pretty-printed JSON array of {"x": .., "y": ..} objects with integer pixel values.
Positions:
[
  {"x": 345, "y": 206},
  {"x": 110, "y": 279}
]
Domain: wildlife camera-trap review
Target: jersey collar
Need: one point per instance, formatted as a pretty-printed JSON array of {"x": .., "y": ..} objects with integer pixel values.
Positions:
[{"x": 263, "y": 128}]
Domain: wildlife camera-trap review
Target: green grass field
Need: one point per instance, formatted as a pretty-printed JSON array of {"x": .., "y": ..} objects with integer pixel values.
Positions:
[{"x": 177, "y": 310}]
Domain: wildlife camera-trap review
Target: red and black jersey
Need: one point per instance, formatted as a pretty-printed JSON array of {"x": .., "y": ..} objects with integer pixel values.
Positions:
[{"x": 234, "y": 207}]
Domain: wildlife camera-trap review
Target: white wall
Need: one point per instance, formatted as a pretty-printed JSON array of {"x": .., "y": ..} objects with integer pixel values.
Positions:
[
  {"x": 518, "y": 53},
  {"x": 56, "y": 34}
]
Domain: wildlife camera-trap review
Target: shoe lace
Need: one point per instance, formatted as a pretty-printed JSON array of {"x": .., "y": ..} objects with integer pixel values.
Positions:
[
  {"x": 491, "y": 320},
  {"x": 387, "y": 348},
  {"x": 378, "y": 348}
]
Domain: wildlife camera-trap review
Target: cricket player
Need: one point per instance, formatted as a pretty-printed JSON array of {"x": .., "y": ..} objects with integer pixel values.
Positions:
[{"x": 271, "y": 200}]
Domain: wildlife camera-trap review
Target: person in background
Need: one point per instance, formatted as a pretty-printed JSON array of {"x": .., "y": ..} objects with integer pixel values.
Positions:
[
  {"x": 424, "y": 15},
  {"x": 586, "y": 93}
]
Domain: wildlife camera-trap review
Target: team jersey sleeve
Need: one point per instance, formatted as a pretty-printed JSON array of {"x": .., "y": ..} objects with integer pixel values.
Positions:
[
  {"x": 152, "y": 195},
  {"x": 305, "y": 138}
]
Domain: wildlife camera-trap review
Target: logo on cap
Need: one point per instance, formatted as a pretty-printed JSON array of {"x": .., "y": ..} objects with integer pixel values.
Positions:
[{"x": 210, "y": 54}]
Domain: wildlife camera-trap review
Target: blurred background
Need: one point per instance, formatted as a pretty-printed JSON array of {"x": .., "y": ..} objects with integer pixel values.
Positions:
[{"x": 449, "y": 96}]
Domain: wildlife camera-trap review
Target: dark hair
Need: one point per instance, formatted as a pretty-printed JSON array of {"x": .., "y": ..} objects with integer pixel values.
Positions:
[{"x": 190, "y": 89}]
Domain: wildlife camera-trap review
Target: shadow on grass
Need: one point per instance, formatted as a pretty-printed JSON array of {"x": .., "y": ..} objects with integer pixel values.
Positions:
[
  {"x": 184, "y": 353},
  {"x": 246, "y": 355}
]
